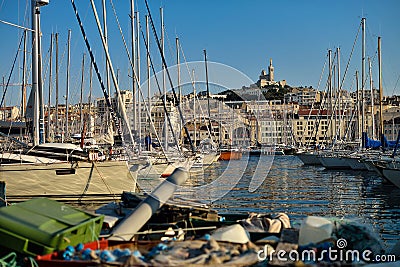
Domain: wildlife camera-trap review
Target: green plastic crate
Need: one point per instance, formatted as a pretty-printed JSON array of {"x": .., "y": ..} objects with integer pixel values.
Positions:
[{"x": 42, "y": 225}]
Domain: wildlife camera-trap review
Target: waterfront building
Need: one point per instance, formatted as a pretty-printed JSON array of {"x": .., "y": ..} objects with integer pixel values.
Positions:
[
  {"x": 391, "y": 121},
  {"x": 311, "y": 126},
  {"x": 304, "y": 96},
  {"x": 273, "y": 121},
  {"x": 9, "y": 113},
  {"x": 158, "y": 118}
]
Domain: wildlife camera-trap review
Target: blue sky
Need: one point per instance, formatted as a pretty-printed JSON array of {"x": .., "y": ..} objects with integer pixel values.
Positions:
[{"x": 241, "y": 34}]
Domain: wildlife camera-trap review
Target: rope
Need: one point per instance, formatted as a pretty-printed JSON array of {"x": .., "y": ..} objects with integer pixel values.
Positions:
[
  {"x": 105, "y": 183},
  {"x": 103, "y": 88},
  {"x": 169, "y": 78},
  {"x": 12, "y": 69},
  {"x": 10, "y": 260},
  {"x": 87, "y": 183},
  {"x": 33, "y": 262},
  {"x": 5, "y": 201}
]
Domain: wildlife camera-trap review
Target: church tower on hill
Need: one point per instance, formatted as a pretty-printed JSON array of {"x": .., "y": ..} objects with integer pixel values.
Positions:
[
  {"x": 270, "y": 71},
  {"x": 268, "y": 79}
]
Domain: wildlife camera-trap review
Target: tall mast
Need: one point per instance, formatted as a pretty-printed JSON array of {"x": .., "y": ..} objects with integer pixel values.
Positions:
[
  {"x": 50, "y": 88},
  {"x": 90, "y": 96},
  {"x": 330, "y": 93},
  {"x": 381, "y": 128},
  {"x": 67, "y": 86},
  {"x": 372, "y": 98},
  {"x": 133, "y": 49},
  {"x": 105, "y": 33},
  {"x": 139, "y": 106},
  {"x": 164, "y": 83},
  {"x": 4, "y": 90},
  {"x": 35, "y": 70},
  {"x": 194, "y": 108},
  {"x": 23, "y": 98},
  {"x": 339, "y": 95},
  {"x": 40, "y": 83},
  {"x": 148, "y": 67},
  {"x": 178, "y": 65},
  {"x": 56, "y": 111},
  {"x": 108, "y": 82},
  {"x": 363, "y": 79},
  {"x": 359, "y": 128},
  {"x": 169, "y": 79},
  {"x": 208, "y": 95},
  {"x": 120, "y": 102},
  {"x": 81, "y": 96}
]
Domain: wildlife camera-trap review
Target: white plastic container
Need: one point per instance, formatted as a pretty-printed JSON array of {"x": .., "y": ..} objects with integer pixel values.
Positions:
[{"x": 314, "y": 229}]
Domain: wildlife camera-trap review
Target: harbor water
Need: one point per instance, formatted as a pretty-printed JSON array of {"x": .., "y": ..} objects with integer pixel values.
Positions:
[{"x": 300, "y": 190}]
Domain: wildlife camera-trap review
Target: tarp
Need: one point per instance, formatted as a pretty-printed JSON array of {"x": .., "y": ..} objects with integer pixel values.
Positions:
[{"x": 374, "y": 144}]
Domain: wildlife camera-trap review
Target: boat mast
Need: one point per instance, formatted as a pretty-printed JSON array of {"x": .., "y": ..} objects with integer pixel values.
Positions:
[
  {"x": 178, "y": 65},
  {"x": 108, "y": 82},
  {"x": 105, "y": 47},
  {"x": 330, "y": 94},
  {"x": 169, "y": 77},
  {"x": 56, "y": 111},
  {"x": 164, "y": 82},
  {"x": 4, "y": 91},
  {"x": 35, "y": 70},
  {"x": 194, "y": 108},
  {"x": 40, "y": 81},
  {"x": 50, "y": 88},
  {"x": 372, "y": 98},
  {"x": 339, "y": 93},
  {"x": 133, "y": 49},
  {"x": 67, "y": 86},
  {"x": 81, "y": 95},
  {"x": 23, "y": 98},
  {"x": 90, "y": 97},
  {"x": 139, "y": 106},
  {"x": 208, "y": 97},
  {"x": 363, "y": 82},
  {"x": 381, "y": 128},
  {"x": 148, "y": 68},
  {"x": 102, "y": 86},
  {"x": 358, "y": 109}
]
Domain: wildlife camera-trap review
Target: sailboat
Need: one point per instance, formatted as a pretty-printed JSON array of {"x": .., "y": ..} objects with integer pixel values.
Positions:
[
  {"x": 57, "y": 169},
  {"x": 161, "y": 162}
]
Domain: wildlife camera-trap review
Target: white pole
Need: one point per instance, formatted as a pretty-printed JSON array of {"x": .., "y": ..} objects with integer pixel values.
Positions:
[
  {"x": 134, "y": 85},
  {"x": 148, "y": 68},
  {"x": 105, "y": 47},
  {"x": 67, "y": 87},
  {"x": 132, "y": 223},
  {"x": 35, "y": 70},
  {"x": 164, "y": 83}
]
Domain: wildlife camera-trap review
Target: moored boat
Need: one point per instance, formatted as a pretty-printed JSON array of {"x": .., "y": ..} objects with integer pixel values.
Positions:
[
  {"x": 308, "y": 157},
  {"x": 333, "y": 161},
  {"x": 230, "y": 153}
]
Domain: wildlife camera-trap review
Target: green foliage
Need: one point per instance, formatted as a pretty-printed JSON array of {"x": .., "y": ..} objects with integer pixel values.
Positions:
[{"x": 276, "y": 93}]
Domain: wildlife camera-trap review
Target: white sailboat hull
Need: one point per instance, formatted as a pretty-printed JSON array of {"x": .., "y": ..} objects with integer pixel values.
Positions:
[{"x": 108, "y": 177}]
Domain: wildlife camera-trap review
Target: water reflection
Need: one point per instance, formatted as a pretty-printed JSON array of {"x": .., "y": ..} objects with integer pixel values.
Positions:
[{"x": 301, "y": 190}]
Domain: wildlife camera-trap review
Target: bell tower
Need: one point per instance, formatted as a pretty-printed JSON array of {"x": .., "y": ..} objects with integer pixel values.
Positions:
[{"x": 270, "y": 71}]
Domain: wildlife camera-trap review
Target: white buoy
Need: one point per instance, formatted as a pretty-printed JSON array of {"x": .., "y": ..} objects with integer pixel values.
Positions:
[{"x": 132, "y": 223}]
